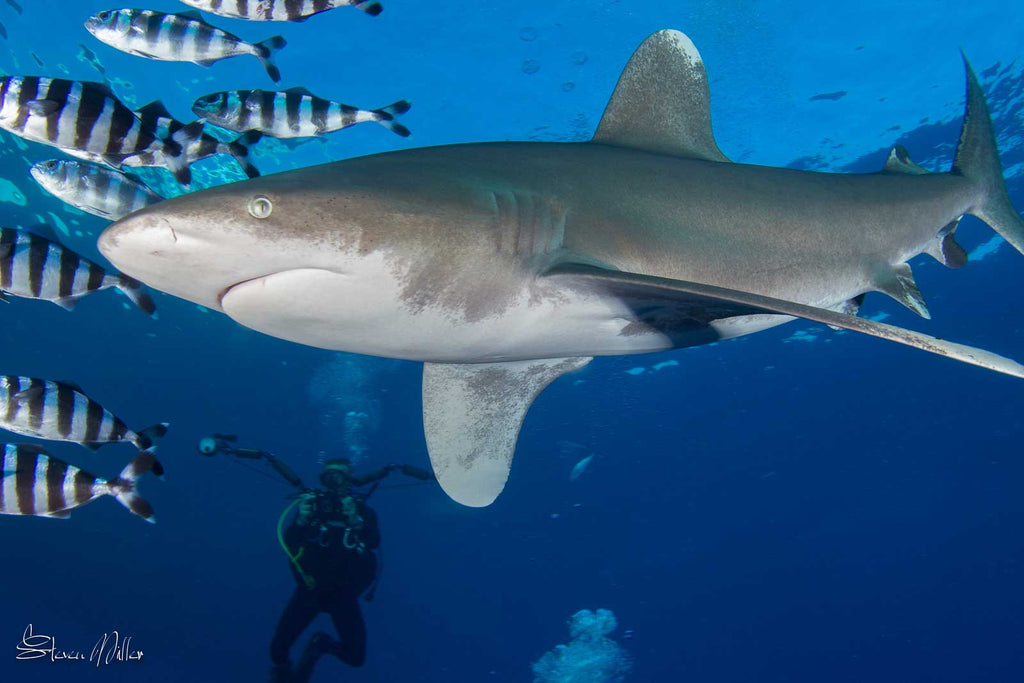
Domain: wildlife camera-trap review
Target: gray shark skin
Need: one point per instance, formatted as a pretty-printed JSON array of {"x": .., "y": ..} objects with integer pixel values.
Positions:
[{"x": 503, "y": 266}]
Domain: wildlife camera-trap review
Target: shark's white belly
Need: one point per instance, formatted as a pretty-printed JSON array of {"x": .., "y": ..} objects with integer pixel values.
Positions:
[{"x": 367, "y": 313}]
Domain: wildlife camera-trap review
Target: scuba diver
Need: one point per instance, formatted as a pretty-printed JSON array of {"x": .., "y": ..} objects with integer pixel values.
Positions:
[{"x": 332, "y": 546}]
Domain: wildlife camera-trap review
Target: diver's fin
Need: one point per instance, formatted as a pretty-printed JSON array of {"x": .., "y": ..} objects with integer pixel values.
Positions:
[
  {"x": 899, "y": 162},
  {"x": 662, "y": 103},
  {"x": 977, "y": 159},
  {"x": 898, "y": 282},
  {"x": 471, "y": 417},
  {"x": 745, "y": 303},
  {"x": 945, "y": 249}
]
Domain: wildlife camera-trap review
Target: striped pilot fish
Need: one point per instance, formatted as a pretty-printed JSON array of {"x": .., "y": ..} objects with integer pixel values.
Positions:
[
  {"x": 181, "y": 37},
  {"x": 86, "y": 120},
  {"x": 279, "y": 10},
  {"x": 36, "y": 483},
  {"x": 293, "y": 113},
  {"x": 60, "y": 411},
  {"x": 196, "y": 144},
  {"x": 37, "y": 267},
  {"x": 92, "y": 188}
]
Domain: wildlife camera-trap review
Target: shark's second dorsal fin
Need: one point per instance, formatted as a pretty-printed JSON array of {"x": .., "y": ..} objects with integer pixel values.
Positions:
[
  {"x": 662, "y": 103},
  {"x": 899, "y": 161}
]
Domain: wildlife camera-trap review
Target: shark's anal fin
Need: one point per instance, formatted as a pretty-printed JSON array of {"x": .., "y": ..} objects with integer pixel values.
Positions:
[
  {"x": 745, "y": 303},
  {"x": 898, "y": 282},
  {"x": 471, "y": 417},
  {"x": 945, "y": 249},
  {"x": 662, "y": 103}
]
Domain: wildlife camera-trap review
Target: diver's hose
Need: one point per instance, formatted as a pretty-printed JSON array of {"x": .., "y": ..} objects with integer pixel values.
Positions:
[{"x": 306, "y": 578}]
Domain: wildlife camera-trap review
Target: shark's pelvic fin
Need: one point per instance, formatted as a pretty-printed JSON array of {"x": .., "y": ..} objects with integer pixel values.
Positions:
[
  {"x": 472, "y": 415},
  {"x": 977, "y": 159},
  {"x": 898, "y": 282},
  {"x": 899, "y": 162},
  {"x": 696, "y": 294},
  {"x": 661, "y": 103}
]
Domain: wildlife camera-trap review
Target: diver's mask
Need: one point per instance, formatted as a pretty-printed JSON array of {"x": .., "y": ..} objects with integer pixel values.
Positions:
[{"x": 336, "y": 477}]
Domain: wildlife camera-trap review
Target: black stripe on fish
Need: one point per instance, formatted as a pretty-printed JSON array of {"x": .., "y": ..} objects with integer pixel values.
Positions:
[
  {"x": 90, "y": 108},
  {"x": 24, "y": 484},
  {"x": 174, "y": 29},
  {"x": 37, "y": 252},
  {"x": 8, "y": 237},
  {"x": 242, "y": 6},
  {"x": 320, "y": 108},
  {"x": 65, "y": 409},
  {"x": 117, "y": 430},
  {"x": 83, "y": 487},
  {"x": 93, "y": 421},
  {"x": 56, "y": 470},
  {"x": 267, "y": 109},
  {"x": 36, "y": 403},
  {"x": 293, "y": 9},
  {"x": 57, "y": 92},
  {"x": 29, "y": 90},
  {"x": 292, "y": 102},
  {"x": 96, "y": 275},
  {"x": 13, "y": 387},
  {"x": 69, "y": 261}
]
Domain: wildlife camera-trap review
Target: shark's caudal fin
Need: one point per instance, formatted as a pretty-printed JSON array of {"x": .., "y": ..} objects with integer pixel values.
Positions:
[{"x": 977, "y": 159}]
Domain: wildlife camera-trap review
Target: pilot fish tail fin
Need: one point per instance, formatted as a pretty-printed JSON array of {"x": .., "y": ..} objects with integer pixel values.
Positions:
[
  {"x": 239, "y": 149},
  {"x": 134, "y": 290},
  {"x": 123, "y": 488},
  {"x": 265, "y": 52},
  {"x": 977, "y": 159},
  {"x": 386, "y": 117}
]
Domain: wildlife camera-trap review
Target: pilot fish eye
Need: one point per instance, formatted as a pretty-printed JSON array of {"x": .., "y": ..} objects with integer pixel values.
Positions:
[{"x": 260, "y": 207}]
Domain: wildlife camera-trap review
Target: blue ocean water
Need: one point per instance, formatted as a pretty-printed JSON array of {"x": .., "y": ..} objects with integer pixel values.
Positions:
[{"x": 796, "y": 505}]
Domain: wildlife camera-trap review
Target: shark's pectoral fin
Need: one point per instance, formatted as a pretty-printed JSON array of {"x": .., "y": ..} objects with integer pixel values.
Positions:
[
  {"x": 471, "y": 418},
  {"x": 584, "y": 276},
  {"x": 661, "y": 103}
]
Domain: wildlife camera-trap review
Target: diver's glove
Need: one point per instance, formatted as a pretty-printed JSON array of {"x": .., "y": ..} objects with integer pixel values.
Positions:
[{"x": 415, "y": 472}]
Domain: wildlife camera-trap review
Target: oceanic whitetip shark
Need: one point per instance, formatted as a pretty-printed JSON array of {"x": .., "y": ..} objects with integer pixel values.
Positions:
[{"x": 502, "y": 266}]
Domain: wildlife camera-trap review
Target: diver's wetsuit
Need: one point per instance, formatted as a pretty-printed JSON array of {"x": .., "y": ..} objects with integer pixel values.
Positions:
[{"x": 331, "y": 555}]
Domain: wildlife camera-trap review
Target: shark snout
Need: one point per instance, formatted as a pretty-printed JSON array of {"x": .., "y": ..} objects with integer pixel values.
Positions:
[{"x": 136, "y": 239}]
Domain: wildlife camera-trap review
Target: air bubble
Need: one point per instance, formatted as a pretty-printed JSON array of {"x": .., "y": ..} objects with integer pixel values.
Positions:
[
  {"x": 567, "y": 86},
  {"x": 528, "y": 34},
  {"x": 579, "y": 58},
  {"x": 530, "y": 66}
]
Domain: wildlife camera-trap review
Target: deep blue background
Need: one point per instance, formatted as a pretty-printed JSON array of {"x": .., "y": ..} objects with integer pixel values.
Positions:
[{"x": 768, "y": 509}]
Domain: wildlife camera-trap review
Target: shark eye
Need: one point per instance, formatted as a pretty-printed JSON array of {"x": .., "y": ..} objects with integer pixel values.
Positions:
[{"x": 260, "y": 207}]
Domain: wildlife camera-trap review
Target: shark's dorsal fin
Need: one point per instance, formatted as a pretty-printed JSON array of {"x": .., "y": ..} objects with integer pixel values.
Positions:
[
  {"x": 661, "y": 103},
  {"x": 899, "y": 161},
  {"x": 696, "y": 294},
  {"x": 898, "y": 282},
  {"x": 471, "y": 418}
]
